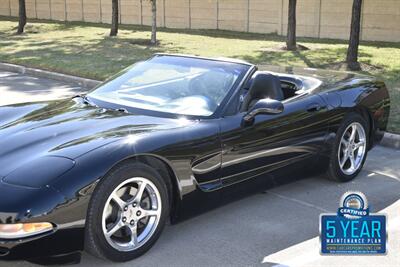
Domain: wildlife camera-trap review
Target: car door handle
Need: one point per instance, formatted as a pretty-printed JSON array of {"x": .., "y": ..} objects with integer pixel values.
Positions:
[{"x": 314, "y": 107}]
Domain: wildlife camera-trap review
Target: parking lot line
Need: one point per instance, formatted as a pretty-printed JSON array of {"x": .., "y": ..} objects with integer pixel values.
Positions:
[
  {"x": 299, "y": 201},
  {"x": 385, "y": 174}
]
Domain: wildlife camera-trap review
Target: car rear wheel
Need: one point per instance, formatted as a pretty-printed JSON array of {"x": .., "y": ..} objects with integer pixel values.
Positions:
[
  {"x": 350, "y": 149},
  {"x": 127, "y": 213}
]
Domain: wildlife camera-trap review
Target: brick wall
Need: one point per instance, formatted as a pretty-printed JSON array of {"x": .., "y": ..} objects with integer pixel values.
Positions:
[{"x": 315, "y": 18}]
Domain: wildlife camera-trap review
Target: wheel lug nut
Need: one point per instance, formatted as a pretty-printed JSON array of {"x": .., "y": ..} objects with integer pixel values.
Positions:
[
  {"x": 125, "y": 208},
  {"x": 132, "y": 222},
  {"x": 138, "y": 213},
  {"x": 124, "y": 219},
  {"x": 134, "y": 204}
]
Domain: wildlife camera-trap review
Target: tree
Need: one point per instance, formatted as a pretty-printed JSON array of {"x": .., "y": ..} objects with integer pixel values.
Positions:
[
  {"x": 22, "y": 17},
  {"x": 291, "y": 31},
  {"x": 354, "y": 41},
  {"x": 153, "y": 40},
  {"x": 114, "y": 18}
]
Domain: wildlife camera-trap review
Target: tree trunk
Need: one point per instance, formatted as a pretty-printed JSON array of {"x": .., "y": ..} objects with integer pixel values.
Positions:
[
  {"x": 354, "y": 42},
  {"x": 114, "y": 18},
  {"x": 153, "y": 40},
  {"x": 22, "y": 17},
  {"x": 291, "y": 31}
]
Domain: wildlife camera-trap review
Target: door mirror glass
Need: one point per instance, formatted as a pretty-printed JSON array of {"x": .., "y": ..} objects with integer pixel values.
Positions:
[{"x": 265, "y": 106}]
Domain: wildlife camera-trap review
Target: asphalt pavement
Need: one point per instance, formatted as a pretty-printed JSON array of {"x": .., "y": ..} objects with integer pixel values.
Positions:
[
  {"x": 20, "y": 88},
  {"x": 278, "y": 227}
]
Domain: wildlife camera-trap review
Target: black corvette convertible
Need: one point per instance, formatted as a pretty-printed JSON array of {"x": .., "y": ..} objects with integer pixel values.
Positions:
[{"x": 168, "y": 137}]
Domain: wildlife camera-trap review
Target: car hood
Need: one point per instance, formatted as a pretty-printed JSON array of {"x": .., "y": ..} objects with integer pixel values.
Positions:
[{"x": 65, "y": 129}]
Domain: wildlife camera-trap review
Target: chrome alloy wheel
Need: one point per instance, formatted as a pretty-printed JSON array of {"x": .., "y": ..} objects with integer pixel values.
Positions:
[
  {"x": 131, "y": 214},
  {"x": 352, "y": 148}
]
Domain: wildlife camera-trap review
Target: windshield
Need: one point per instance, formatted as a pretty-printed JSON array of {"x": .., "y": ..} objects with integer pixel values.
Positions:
[{"x": 172, "y": 84}]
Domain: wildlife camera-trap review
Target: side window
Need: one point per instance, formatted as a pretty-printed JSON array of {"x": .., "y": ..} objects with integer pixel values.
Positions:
[
  {"x": 236, "y": 103},
  {"x": 289, "y": 90},
  {"x": 244, "y": 91}
]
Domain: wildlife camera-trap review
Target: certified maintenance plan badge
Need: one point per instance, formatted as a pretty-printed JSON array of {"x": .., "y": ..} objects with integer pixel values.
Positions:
[{"x": 353, "y": 230}]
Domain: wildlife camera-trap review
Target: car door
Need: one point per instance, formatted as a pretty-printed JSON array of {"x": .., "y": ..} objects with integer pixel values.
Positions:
[{"x": 272, "y": 141}]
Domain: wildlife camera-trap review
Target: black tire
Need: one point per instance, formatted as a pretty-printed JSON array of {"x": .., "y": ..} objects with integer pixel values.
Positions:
[
  {"x": 95, "y": 241},
  {"x": 334, "y": 171}
]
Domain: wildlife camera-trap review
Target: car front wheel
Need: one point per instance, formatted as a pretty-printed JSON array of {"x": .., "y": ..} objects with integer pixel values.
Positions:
[{"x": 127, "y": 213}]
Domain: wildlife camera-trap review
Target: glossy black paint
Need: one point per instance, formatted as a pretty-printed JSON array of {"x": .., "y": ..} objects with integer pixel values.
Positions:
[{"x": 54, "y": 153}]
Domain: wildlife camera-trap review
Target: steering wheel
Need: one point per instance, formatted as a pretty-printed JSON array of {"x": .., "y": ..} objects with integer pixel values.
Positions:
[{"x": 198, "y": 88}]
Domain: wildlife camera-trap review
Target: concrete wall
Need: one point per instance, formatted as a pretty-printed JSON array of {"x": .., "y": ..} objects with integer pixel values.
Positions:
[{"x": 315, "y": 18}]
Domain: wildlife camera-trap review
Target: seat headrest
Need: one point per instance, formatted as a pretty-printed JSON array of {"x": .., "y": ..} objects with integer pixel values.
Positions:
[{"x": 264, "y": 85}]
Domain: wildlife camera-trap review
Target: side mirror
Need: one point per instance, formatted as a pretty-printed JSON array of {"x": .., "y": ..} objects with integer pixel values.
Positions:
[{"x": 265, "y": 106}]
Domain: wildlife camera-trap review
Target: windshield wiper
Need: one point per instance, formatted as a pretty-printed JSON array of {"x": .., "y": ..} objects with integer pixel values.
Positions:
[
  {"x": 86, "y": 100},
  {"x": 123, "y": 110}
]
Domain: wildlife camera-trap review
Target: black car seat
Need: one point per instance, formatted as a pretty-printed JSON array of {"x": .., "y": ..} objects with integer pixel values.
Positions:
[{"x": 264, "y": 85}]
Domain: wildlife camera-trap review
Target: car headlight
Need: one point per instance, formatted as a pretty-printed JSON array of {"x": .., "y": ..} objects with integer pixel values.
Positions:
[{"x": 21, "y": 230}]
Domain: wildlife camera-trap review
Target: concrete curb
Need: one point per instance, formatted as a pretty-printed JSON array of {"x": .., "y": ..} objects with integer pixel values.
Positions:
[
  {"x": 391, "y": 140},
  {"x": 83, "y": 82}
]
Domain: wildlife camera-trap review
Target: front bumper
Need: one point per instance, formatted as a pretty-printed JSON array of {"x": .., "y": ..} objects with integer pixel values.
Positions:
[
  {"x": 54, "y": 243},
  {"x": 26, "y": 205}
]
